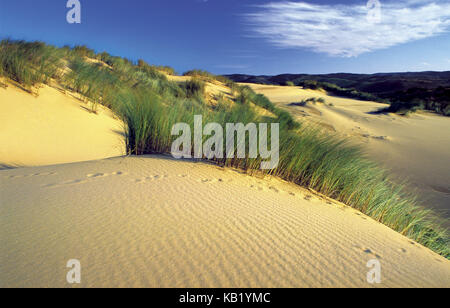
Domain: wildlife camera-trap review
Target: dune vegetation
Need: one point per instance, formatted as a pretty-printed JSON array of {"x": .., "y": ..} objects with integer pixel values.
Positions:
[
  {"x": 405, "y": 92},
  {"x": 401, "y": 102},
  {"x": 432, "y": 102},
  {"x": 339, "y": 91},
  {"x": 312, "y": 100},
  {"x": 150, "y": 104}
]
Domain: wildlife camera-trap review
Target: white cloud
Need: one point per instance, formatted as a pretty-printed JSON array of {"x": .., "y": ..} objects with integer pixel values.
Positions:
[{"x": 345, "y": 30}]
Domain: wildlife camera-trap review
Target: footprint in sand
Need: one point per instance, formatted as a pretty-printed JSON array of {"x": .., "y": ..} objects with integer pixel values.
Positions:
[
  {"x": 100, "y": 174},
  {"x": 79, "y": 181},
  {"x": 30, "y": 175},
  {"x": 380, "y": 137},
  {"x": 142, "y": 180},
  {"x": 96, "y": 175},
  {"x": 367, "y": 251},
  {"x": 260, "y": 188},
  {"x": 360, "y": 215},
  {"x": 44, "y": 174},
  {"x": 383, "y": 138},
  {"x": 67, "y": 183},
  {"x": 151, "y": 178},
  {"x": 209, "y": 181},
  {"x": 370, "y": 252},
  {"x": 414, "y": 244},
  {"x": 308, "y": 197},
  {"x": 90, "y": 177},
  {"x": 263, "y": 187},
  {"x": 272, "y": 188}
]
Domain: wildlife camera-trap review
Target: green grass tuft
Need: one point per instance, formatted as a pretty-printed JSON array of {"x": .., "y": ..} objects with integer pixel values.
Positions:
[{"x": 29, "y": 63}]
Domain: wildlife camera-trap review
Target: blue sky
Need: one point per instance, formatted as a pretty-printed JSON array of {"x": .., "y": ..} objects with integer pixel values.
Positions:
[{"x": 247, "y": 36}]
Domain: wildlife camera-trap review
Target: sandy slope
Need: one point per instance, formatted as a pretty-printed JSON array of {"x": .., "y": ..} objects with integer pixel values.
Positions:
[
  {"x": 54, "y": 128},
  {"x": 415, "y": 148},
  {"x": 153, "y": 221}
]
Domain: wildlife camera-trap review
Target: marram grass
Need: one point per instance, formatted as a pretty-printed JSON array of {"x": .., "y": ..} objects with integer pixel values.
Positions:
[{"x": 150, "y": 105}]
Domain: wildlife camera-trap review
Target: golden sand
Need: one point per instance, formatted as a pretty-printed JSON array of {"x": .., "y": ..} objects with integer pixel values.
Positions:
[
  {"x": 157, "y": 222},
  {"x": 54, "y": 128}
]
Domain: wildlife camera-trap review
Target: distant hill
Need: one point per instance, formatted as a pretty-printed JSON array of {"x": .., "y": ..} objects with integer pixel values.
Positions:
[
  {"x": 406, "y": 91},
  {"x": 376, "y": 83}
]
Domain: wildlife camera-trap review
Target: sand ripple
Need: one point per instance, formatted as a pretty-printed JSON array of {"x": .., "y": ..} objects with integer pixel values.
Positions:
[{"x": 156, "y": 222}]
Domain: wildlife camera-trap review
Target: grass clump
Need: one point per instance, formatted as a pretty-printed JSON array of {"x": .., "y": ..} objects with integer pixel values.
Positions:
[
  {"x": 156, "y": 69},
  {"x": 208, "y": 76},
  {"x": 312, "y": 100},
  {"x": 417, "y": 104},
  {"x": 290, "y": 84},
  {"x": 29, "y": 63},
  {"x": 83, "y": 51},
  {"x": 93, "y": 82},
  {"x": 405, "y": 108},
  {"x": 194, "y": 88}
]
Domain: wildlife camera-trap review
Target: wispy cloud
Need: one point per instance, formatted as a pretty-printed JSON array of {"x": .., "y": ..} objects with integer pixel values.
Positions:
[{"x": 345, "y": 30}]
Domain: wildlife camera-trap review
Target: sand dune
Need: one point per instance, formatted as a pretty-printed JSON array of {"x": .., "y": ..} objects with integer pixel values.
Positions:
[
  {"x": 415, "y": 148},
  {"x": 54, "y": 128},
  {"x": 152, "y": 221},
  {"x": 156, "y": 222}
]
